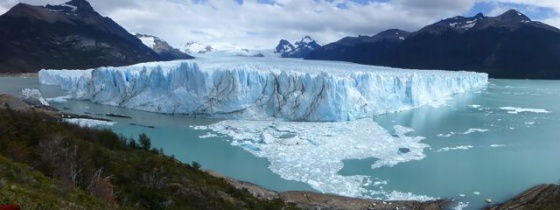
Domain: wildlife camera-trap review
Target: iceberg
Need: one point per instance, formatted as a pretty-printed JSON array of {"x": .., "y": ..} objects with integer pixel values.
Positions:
[
  {"x": 33, "y": 96},
  {"x": 263, "y": 89}
]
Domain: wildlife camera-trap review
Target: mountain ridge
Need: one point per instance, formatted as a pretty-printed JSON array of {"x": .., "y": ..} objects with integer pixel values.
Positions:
[
  {"x": 301, "y": 48},
  {"x": 162, "y": 48},
  {"x": 509, "y": 45},
  {"x": 71, "y": 35}
]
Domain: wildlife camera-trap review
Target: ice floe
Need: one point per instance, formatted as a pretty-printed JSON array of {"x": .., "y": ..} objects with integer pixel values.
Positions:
[
  {"x": 312, "y": 152},
  {"x": 83, "y": 122},
  {"x": 517, "y": 110},
  {"x": 497, "y": 145},
  {"x": 445, "y": 149},
  {"x": 473, "y": 130}
]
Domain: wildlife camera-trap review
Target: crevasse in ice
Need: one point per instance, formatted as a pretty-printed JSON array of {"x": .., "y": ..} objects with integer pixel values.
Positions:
[{"x": 259, "y": 89}]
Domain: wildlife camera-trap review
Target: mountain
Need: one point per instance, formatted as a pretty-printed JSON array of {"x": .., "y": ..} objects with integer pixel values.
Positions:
[
  {"x": 71, "y": 35},
  {"x": 362, "y": 49},
  {"x": 193, "y": 47},
  {"x": 162, "y": 48},
  {"x": 220, "y": 49},
  {"x": 506, "y": 46},
  {"x": 301, "y": 49},
  {"x": 284, "y": 46}
]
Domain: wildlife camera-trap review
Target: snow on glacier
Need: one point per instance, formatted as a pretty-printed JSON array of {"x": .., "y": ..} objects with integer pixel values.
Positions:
[{"x": 259, "y": 89}]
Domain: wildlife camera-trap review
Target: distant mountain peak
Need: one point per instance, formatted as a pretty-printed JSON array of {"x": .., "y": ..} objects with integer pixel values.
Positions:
[
  {"x": 161, "y": 47},
  {"x": 193, "y": 47},
  {"x": 305, "y": 40},
  {"x": 74, "y": 7},
  {"x": 80, "y": 5},
  {"x": 284, "y": 46},
  {"x": 300, "y": 50},
  {"x": 513, "y": 15},
  {"x": 479, "y": 15}
]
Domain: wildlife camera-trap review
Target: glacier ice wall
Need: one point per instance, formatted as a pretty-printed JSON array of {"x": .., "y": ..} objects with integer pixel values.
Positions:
[{"x": 259, "y": 89}]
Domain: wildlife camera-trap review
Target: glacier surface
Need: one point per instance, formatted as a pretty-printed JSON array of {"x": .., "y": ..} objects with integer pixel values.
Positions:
[{"x": 262, "y": 89}]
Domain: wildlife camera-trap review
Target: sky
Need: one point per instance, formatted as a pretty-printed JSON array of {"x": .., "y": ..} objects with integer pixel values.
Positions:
[{"x": 260, "y": 24}]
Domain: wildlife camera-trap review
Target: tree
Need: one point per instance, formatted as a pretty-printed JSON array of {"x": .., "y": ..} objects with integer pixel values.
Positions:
[
  {"x": 196, "y": 165},
  {"x": 145, "y": 142}
]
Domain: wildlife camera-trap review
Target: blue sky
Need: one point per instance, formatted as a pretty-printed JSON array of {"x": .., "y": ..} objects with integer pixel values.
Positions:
[{"x": 261, "y": 23}]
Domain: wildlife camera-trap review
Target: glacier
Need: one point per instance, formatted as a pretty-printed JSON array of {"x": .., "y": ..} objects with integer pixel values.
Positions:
[{"x": 263, "y": 88}]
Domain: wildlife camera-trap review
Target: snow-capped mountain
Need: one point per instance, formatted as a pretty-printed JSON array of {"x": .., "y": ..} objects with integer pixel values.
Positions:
[
  {"x": 300, "y": 50},
  {"x": 220, "y": 48},
  {"x": 162, "y": 48},
  {"x": 193, "y": 47},
  {"x": 70, "y": 35},
  {"x": 284, "y": 46},
  {"x": 509, "y": 45}
]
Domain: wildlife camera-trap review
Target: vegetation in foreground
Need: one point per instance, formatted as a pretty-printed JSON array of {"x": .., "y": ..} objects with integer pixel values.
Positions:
[{"x": 49, "y": 164}]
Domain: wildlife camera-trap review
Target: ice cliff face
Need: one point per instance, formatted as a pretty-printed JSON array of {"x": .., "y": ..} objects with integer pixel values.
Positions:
[{"x": 244, "y": 88}]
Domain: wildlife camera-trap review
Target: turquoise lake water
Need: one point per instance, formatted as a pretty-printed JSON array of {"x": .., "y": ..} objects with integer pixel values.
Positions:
[{"x": 488, "y": 143}]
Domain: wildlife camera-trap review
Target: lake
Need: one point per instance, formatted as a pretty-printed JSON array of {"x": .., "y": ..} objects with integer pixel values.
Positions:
[{"x": 489, "y": 143}]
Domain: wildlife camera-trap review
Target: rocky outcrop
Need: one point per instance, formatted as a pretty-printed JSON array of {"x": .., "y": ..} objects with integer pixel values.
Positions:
[
  {"x": 545, "y": 196},
  {"x": 313, "y": 200},
  {"x": 12, "y": 102}
]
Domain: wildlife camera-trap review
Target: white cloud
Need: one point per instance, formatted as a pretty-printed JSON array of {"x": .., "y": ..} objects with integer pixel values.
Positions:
[
  {"x": 554, "y": 4},
  {"x": 257, "y": 25}
]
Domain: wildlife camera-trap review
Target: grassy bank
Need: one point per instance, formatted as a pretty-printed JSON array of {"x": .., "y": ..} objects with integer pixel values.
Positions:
[{"x": 46, "y": 163}]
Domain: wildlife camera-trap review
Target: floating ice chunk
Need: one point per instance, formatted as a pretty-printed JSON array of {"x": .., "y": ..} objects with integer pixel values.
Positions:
[
  {"x": 199, "y": 127},
  {"x": 208, "y": 135},
  {"x": 313, "y": 152},
  {"x": 474, "y": 106},
  {"x": 446, "y": 135},
  {"x": 497, "y": 145},
  {"x": 400, "y": 196},
  {"x": 33, "y": 96},
  {"x": 60, "y": 99},
  {"x": 476, "y": 193},
  {"x": 445, "y": 149},
  {"x": 83, "y": 122},
  {"x": 461, "y": 205},
  {"x": 516, "y": 110},
  {"x": 376, "y": 183},
  {"x": 472, "y": 130}
]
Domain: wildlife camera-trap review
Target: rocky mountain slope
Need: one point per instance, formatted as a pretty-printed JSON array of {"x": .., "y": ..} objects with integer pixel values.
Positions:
[
  {"x": 162, "y": 48},
  {"x": 506, "y": 46},
  {"x": 301, "y": 48},
  {"x": 71, "y": 35},
  {"x": 546, "y": 196}
]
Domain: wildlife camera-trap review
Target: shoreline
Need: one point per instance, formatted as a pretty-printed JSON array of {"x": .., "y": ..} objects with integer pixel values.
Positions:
[
  {"x": 315, "y": 200},
  {"x": 540, "y": 196}
]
